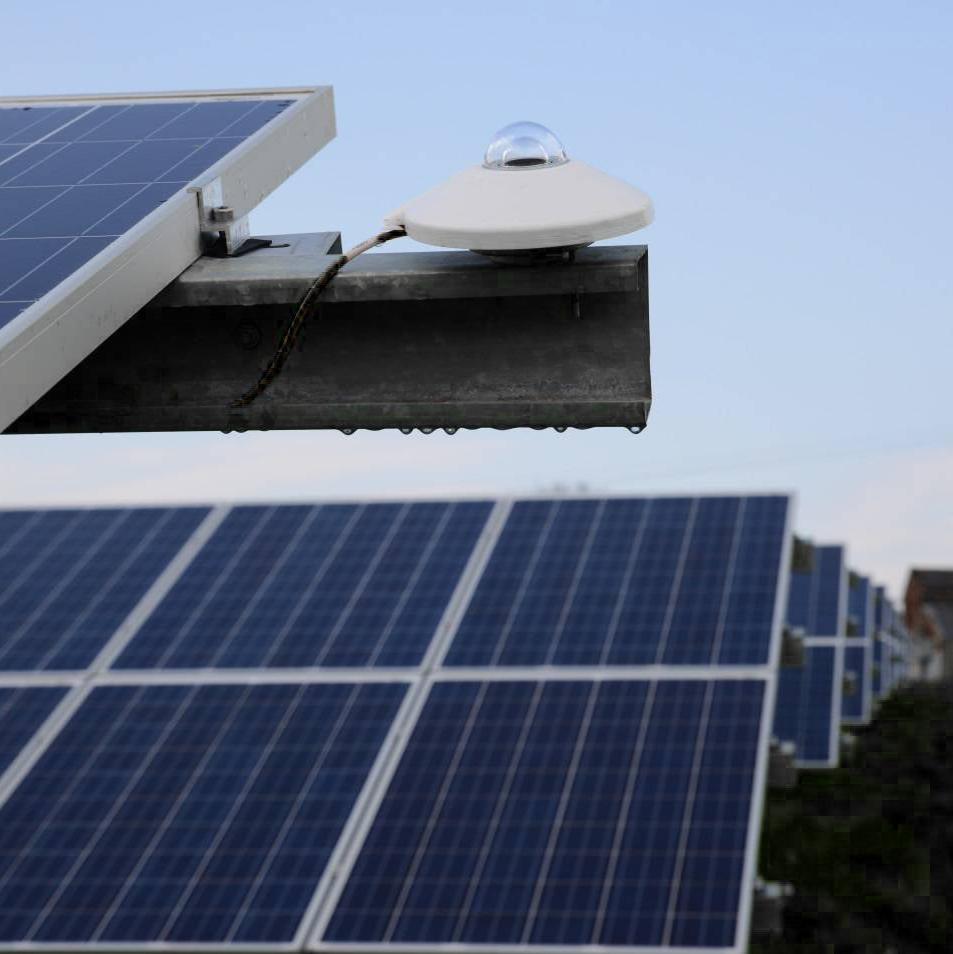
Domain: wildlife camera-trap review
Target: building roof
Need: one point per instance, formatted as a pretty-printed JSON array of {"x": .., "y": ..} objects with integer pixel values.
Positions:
[{"x": 935, "y": 585}]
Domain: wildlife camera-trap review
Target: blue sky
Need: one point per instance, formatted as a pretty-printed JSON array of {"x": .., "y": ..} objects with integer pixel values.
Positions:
[{"x": 799, "y": 157}]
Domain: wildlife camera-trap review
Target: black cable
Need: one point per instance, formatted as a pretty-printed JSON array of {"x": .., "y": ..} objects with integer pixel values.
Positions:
[{"x": 306, "y": 309}]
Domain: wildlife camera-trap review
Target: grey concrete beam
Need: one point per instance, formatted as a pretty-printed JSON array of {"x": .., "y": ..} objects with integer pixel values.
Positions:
[{"x": 402, "y": 340}]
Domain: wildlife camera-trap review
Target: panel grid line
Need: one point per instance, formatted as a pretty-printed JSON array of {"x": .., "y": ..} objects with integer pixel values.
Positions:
[
  {"x": 622, "y": 597},
  {"x": 422, "y": 561},
  {"x": 501, "y": 801},
  {"x": 625, "y": 806},
  {"x": 104, "y": 824},
  {"x": 555, "y": 831},
  {"x": 163, "y": 826},
  {"x": 687, "y": 816},
  {"x": 676, "y": 583},
  {"x": 435, "y": 813},
  {"x": 309, "y": 590},
  {"x": 580, "y": 568},
  {"x": 358, "y": 590},
  {"x": 107, "y": 585},
  {"x": 273, "y": 574}
]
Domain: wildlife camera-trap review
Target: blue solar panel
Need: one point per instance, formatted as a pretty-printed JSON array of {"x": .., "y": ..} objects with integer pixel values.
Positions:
[
  {"x": 628, "y": 582},
  {"x": 22, "y": 712},
  {"x": 814, "y": 597},
  {"x": 334, "y": 585},
  {"x": 860, "y": 606},
  {"x": 187, "y": 813},
  {"x": 562, "y": 813},
  {"x": 879, "y": 683},
  {"x": 68, "y": 578},
  {"x": 855, "y": 707},
  {"x": 807, "y": 704},
  {"x": 73, "y": 179}
]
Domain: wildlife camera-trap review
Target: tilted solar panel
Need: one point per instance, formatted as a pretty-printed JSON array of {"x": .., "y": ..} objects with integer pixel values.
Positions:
[
  {"x": 22, "y": 712},
  {"x": 808, "y": 705},
  {"x": 817, "y": 601},
  {"x": 223, "y": 783},
  {"x": 95, "y": 213},
  {"x": 76, "y": 178},
  {"x": 187, "y": 813},
  {"x": 858, "y": 652},
  {"x": 628, "y": 582},
  {"x": 333, "y": 585},
  {"x": 566, "y": 813},
  {"x": 860, "y": 606},
  {"x": 68, "y": 578}
]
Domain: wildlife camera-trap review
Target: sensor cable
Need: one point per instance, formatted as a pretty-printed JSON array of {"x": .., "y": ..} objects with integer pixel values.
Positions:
[{"x": 306, "y": 309}]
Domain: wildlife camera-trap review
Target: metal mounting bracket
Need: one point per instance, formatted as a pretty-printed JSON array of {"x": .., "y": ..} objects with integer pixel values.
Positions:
[{"x": 220, "y": 227}]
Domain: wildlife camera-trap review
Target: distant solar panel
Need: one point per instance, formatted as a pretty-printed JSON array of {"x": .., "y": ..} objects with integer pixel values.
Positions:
[
  {"x": 95, "y": 217},
  {"x": 333, "y": 585},
  {"x": 817, "y": 600},
  {"x": 860, "y": 606},
  {"x": 68, "y": 578},
  {"x": 628, "y": 582},
  {"x": 808, "y": 705},
  {"x": 858, "y": 652},
  {"x": 22, "y": 712},
  {"x": 187, "y": 813},
  {"x": 562, "y": 813}
]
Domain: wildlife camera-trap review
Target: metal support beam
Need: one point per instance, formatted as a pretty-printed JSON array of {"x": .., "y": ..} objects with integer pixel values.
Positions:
[{"x": 403, "y": 340}]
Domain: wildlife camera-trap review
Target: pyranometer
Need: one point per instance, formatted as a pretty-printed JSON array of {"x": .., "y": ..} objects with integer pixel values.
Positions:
[{"x": 527, "y": 195}]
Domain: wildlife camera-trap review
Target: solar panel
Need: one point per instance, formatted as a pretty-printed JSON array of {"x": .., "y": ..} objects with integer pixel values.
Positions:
[
  {"x": 96, "y": 216},
  {"x": 858, "y": 653},
  {"x": 187, "y": 813},
  {"x": 22, "y": 712},
  {"x": 628, "y": 582},
  {"x": 68, "y": 578},
  {"x": 562, "y": 813},
  {"x": 808, "y": 705},
  {"x": 818, "y": 596},
  {"x": 217, "y": 779},
  {"x": 333, "y": 585}
]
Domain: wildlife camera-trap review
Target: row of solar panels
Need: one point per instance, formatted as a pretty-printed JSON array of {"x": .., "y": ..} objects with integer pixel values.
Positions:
[
  {"x": 855, "y": 653},
  {"x": 394, "y": 726}
]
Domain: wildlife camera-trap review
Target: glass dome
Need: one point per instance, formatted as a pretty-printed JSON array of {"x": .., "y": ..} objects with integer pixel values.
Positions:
[{"x": 524, "y": 145}]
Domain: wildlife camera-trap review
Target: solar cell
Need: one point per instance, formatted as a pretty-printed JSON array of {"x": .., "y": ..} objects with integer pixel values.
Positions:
[
  {"x": 817, "y": 600},
  {"x": 187, "y": 813},
  {"x": 333, "y": 585},
  {"x": 22, "y": 712},
  {"x": 80, "y": 177},
  {"x": 628, "y": 582},
  {"x": 808, "y": 704},
  {"x": 68, "y": 578},
  {"x": 566, "y": 813}
]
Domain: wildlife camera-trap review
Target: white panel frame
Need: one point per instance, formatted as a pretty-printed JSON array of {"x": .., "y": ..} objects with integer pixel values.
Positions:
[{"x": 51, "y": 336}]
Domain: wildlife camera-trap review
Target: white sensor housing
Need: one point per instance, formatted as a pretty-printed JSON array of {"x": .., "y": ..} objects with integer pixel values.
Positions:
[{"x": 527, "y": 195}]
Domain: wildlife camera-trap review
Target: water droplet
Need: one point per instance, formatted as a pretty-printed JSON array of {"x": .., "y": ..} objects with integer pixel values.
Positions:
[
  {"x": 407, "y": 430},
  {"x": 450, "y": 430},
  {"x": 635, "y": 430},
  {"x": 559, "y": 429},
  {"x": 348, "y": 430}
]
